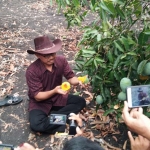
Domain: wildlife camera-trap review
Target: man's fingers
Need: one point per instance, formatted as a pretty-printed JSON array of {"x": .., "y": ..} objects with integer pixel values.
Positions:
[
  {"x": 130, "y": 137},
  {"x": 141, "y": 138},
  {"x": 140, "y": 110},
  {"x": 132, "y": 112},
  {"x": 125, "y": 113}
]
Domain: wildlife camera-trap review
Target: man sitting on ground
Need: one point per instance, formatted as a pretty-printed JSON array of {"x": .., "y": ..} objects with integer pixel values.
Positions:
[{"x": 44, "y": 77}]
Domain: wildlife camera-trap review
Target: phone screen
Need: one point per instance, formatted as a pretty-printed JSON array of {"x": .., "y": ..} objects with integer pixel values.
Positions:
[
  {"x": 2, "y": 147},
  {"x": 57, "y": 119},
  {"x": 138, "y": 96}
]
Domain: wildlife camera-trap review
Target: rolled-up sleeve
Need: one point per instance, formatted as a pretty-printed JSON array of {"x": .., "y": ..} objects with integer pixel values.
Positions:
[
  {"x": 34, "y": 83},
  {"x": 67, "y": 71}
]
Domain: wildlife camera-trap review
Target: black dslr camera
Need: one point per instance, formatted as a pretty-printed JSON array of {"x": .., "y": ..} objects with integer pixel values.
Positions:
[{"x": 6, "y": 147}]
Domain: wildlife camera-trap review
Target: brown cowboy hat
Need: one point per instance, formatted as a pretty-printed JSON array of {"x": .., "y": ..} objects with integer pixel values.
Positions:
[
  {"x": 43, "y": 45},
  {"x": 140, "y": 90}
]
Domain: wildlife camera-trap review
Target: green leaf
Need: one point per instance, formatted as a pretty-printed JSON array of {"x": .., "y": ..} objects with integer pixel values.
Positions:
[
  {"x": 107, "y": 92},
  {"x": 116, "y": 75},
  {"x": 89, "y": 62},
  {"x": 67, "y": 1},
  {"x": 117, "y": 61},
  {"x": 86, "y": 51},
  {"x": 141, "y": 67},
  {"x": 77, "y": 93},
  {"x": 76, "y": 3},
  {"x": 93, "y": 31},
  {"x": 78, "y": 20},
  {"x": 108, "y": 6},
  {"x": 108, "y": 111},
  {"x": 143, "y": 38},
  {"x": 147, "y": 32},
  {"x": 125, "y": 42},
  {"x": 99, "y": 37},
  {"x": 97, "y": 77},
  {"x": 123, "y": 56},
  {"x": 120, "y": 12},
  {"x": 105, "y": 26},
  {"x": 130, "y": 41},
  {"x": 93, "y": 2},
  {"x": 99, "y": 59},
  {"x": 102, "y": 91},
  {"x": 118, "y": 46},
  {"x": 110, "y": 56},
  {"x": 148, "y": 48},
  {"x": 132, "y": 53},
  {"x": 103, "y": 15},
  {"x": 95, "y": 63}
]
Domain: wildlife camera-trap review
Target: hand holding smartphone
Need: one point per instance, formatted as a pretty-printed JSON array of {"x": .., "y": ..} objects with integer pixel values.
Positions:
[{"x": 138, "y": 96}]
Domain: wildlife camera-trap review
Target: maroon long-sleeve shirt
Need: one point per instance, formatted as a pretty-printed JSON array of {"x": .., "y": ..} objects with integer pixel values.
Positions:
[{"x": 39, "y": 79}]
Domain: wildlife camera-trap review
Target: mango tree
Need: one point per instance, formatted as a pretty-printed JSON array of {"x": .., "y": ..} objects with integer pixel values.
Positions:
[{"x": 114, "y": 46}]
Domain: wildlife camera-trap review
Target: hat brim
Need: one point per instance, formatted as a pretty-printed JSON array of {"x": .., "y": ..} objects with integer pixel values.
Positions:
[{"x": 57, "y": 47}]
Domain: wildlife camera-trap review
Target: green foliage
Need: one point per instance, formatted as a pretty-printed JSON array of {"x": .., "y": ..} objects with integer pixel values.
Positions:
[{"x": 115, "y": 45}]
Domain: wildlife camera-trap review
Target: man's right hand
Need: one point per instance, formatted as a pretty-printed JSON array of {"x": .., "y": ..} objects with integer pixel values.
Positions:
[
  {"x": 138, "y": 143},
  {"x": 136, "y": 121},
  {"x": 59, "y": 90}
]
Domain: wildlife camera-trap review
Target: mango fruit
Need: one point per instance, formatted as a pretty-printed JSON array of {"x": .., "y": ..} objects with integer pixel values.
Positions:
[
  {"x": 83, "y": 79},
  {"x": 122, "y": 96},
  {"x": 124, "y": 83},
  {"x": 99, "y": 99},
  {"x": 147, "y": 69},
  {"x": 65, "y": 86}
]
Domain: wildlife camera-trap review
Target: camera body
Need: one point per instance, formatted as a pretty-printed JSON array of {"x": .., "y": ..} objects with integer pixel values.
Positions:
[
  {"x": 6, "y": 147},
  {"x": 138, "y": 96}
]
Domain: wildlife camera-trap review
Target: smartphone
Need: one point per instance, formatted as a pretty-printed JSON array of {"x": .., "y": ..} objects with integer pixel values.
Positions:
[
  {"x": 6, "y": 147},
  {"x": 58, "y": 119},
  {"x": 138, "y": 96}
]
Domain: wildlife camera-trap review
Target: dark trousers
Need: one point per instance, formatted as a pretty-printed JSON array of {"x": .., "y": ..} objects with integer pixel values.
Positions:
[{"x": 39, "y": 120}]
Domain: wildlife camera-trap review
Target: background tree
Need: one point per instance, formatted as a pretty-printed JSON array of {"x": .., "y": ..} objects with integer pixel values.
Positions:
[{"x": 114, "y": 46}]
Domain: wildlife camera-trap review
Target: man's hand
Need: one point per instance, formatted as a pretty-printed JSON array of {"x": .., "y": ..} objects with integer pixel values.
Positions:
[
  {"x": 59, "y": 90},
  {"x": 79, "y": 122},
  {"x": 76, "y": 118},
  {"x": 139, "y": 143},
  {"x": 136, "y": 121}
]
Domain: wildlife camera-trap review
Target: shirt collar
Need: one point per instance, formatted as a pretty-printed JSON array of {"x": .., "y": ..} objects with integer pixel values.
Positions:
[{"x": 43, "y": 68}]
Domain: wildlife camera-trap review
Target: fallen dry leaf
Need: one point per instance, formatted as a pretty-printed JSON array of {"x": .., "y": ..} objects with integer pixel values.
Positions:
[{"x": 31, "y": 137}]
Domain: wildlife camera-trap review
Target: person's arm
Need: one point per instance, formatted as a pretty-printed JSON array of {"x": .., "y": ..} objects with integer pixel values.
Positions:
[
  {"x": 139, "y": 142},
  {"x": 137, "y": 121},
  {"x": 25, "y": 146},
  {"x": 74, "y": 81},
  {"x": 47, "y": 94}
]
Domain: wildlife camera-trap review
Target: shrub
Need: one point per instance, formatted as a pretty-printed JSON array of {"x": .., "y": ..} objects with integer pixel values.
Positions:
[{"x": 114, "y": 46}]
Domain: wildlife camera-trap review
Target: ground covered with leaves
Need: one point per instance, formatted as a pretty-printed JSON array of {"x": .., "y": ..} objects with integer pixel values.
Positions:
[{"x": 22, "y": 21}]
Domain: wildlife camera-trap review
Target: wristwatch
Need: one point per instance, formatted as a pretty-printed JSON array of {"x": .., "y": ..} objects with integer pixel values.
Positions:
[{"x": 83, "y": 125}]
